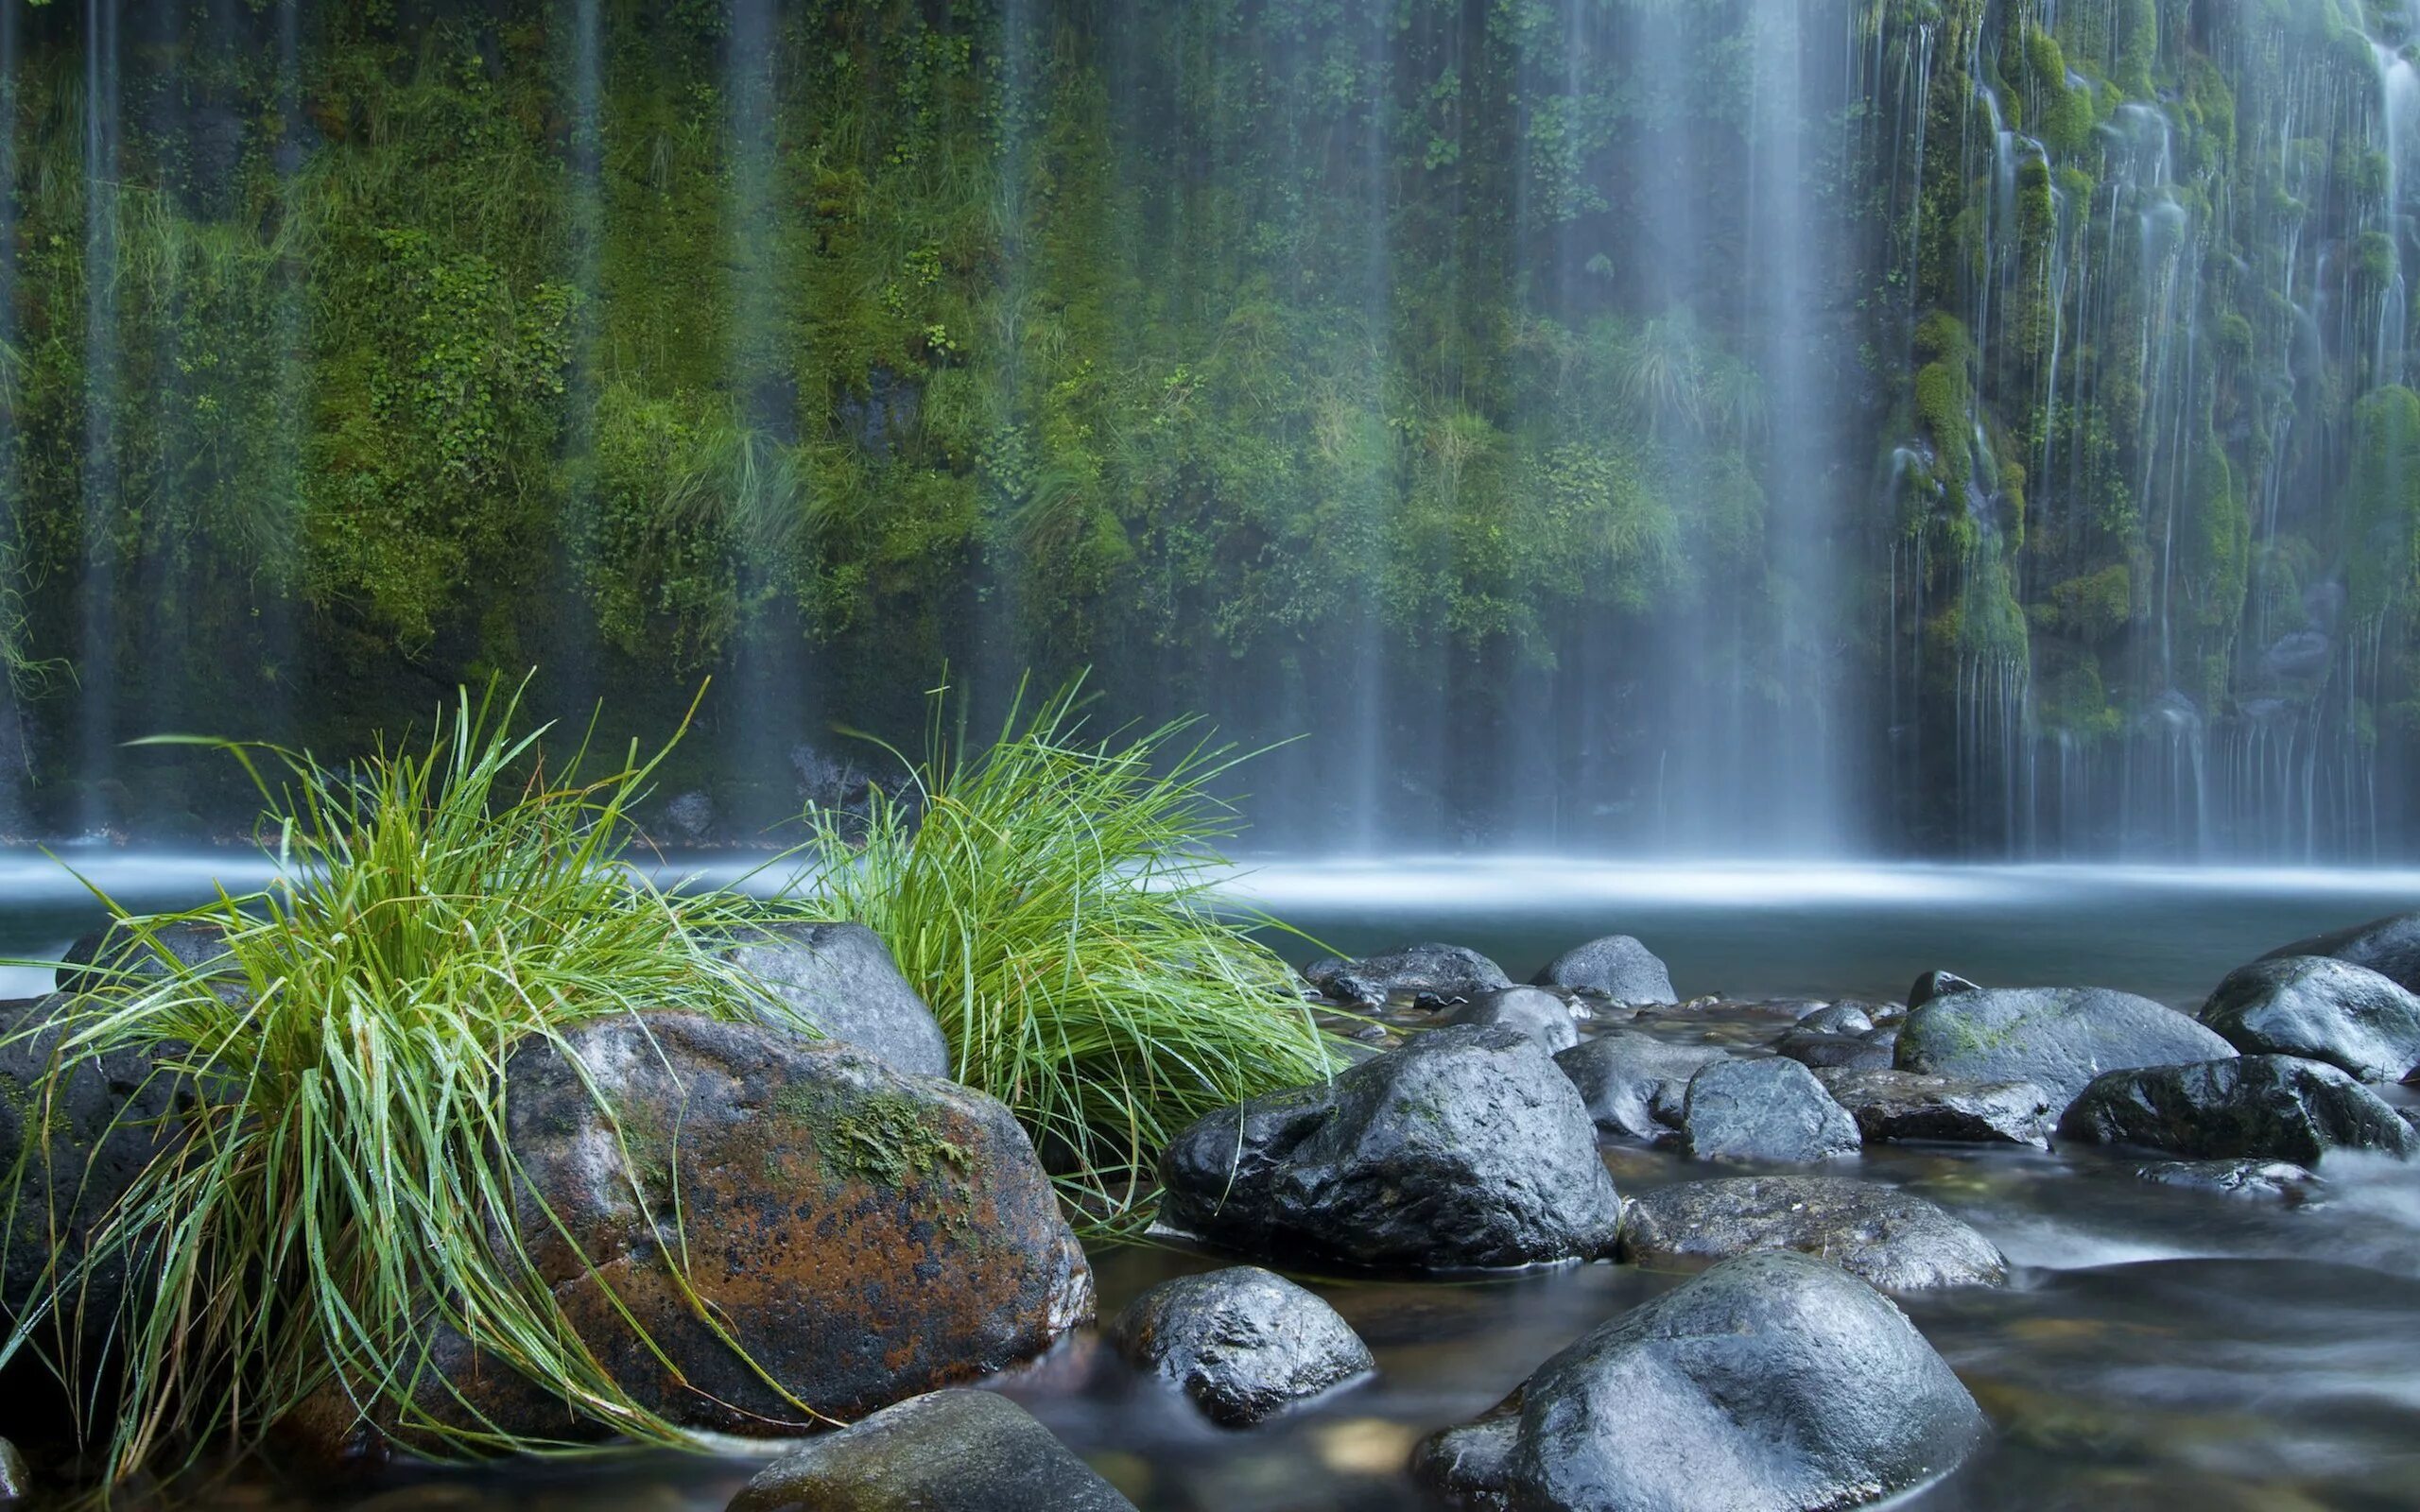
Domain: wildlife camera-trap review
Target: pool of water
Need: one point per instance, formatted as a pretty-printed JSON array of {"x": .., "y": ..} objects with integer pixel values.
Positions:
[{"x": 2158, "y": 1349}]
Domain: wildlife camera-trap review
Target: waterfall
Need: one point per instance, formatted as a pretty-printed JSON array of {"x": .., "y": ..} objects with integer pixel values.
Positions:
[
  {"x": 97, "y": 647},
  {"x": 15, "y": 760}
]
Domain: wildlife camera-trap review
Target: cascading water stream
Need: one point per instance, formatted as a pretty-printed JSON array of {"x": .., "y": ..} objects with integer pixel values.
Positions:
[{"x": 98, "y": 645}]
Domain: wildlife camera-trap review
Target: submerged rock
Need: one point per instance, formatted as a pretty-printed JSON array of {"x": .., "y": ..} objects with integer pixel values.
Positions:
[
  {"x": 2257, "y": 1106},
  {"x": 2320, "y": 1009},
  {"x": 945, "y": 1451},
  {"x": 2280, "y": 1180},
  {"x": 1466, "y": 1148},
  {"x": 1244, "y": 1343},
  {"x": 1763, "y": 1109},
  {"x": 1838, "y": 1017},
  {"x": 1884, "y": 1236},
  {"x": 2389, "y": 946},
  {"x": 1774, "y": 1381},
  {"x": 1431, "y": 977},
  {"x": 1534, "y": 1011},
  {"x": 1616, "y": 966},
  {"x": 1937, "y": 984},
  {"x": 2057, "y": 1038},
  {"x": 1635, "y": 1084},
  {"x": 1907, "y": 1105},
  {"x": 841, "y": 978}
]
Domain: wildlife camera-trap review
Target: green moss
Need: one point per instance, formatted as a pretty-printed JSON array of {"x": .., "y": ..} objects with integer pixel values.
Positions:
[{"x": 885, "y": 1138}]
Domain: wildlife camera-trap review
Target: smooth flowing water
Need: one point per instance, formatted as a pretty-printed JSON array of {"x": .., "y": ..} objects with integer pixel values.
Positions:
[{"x": 2158, "y": 1349}]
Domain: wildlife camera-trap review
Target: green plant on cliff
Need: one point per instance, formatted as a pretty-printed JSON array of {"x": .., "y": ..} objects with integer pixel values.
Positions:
[{"x": 1050, "y": 897}]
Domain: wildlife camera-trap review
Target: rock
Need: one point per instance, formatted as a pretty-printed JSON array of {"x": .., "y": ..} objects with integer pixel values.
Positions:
[
  {"x": 1886, "y": 1237},
  {"x": 945, "y": 1451},
  {"x": 1616, "y": 966},
  {"x": 1890, "y": 1105},
  {"x": 865, "y": 1234},
  {"x": 2057, "y": 1038},
  {"x": 2259, "y": 1107},
  {"x": 1243, "y": 1343},
  {"x": 1431, "y": 976},
  {"x": 841, "y": 979},
  {"x": 1839, "y": 1018},
  {"x": 2297, "y": 655},
  {"x": 2320, "y": 1009},
  {"x": 2278, "y": 1179},
  {"x": 1814, "y": 1049},
  {"x": 1763, "y": 1109},
  {"x": 1635, "y": 1084},
  {"x": 1774, "y": 1382},
  {"x": 1534, "y": 1011},
  {"x": 1466, "y": 1148},
  {"x": 1937, "y": 984},
  {"x": 16, "y": 1477},
  {"x": 2389, "y": 946},
  {"x": 118, "y": 954}
]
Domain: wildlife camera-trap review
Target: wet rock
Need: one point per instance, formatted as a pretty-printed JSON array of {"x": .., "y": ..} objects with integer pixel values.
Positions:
[
  {"x": 1243, "y": 1343},
  {"x": 1430, "y": 976},
  {"x": 2320, "y": 1009},
  {"x": 690, "y": 817},
  {"x": 1937, "y": 984},
  {"x": 1839, "y": 1018},
  {"x": 2259, "y": 1107},
  {"x": 1887, "y": 1237},
  {"x": 2280, "y": 1180},
  {"x": 1616, "y": 966},
  {"x": 2058, "y": 1037},
  {"x": 1763, "y": 1109},
  {"x": 1890, "y": 1105},
  {"x": 1774, "y": 1381},
  {"x": 2389, "y": 946},
  {"x": 2297, "y": 655},
  {"x": 120, "y": 955},
  {"x": 1635, "y": 1084},
  {"x": 1534, "y": 1011},
  {"x": 841, "y": 979},
  {"x": 16, "y": 1477},
  {"x": 864, "y": 1235},
  {"x": 945, "y": 1451},
  {"x": 1817, "y": 1050},
  {"x": 1466, "y": 1148}
]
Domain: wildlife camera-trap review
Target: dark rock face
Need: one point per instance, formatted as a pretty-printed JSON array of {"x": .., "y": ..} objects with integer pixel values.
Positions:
[
  {"x": 2320, "y": 1009},
  {"x": 864, "y": 1234},
  {"x": 2277, "y": 1180},
  {"x": 1635, "y": 1084},
  {"x": 1430, "y": 976},
  {"x": 945, "y": 1451},
  {"x": 841, "y": 979},
  {"x": 118, "y": 954},
  {"x": 2252, "y": 1107},
  {"x": 1907, "y": 1105},
  {"x": 1774, "y": 1382},
  {"x": 1466, "y": 1148},
  {"x": 2389, "y": 946},
  {"x": 1534, "y": 1011},
  {"x": 1616, "y": 966},
  {"x": 1877, "y": 1233},
  {"x": 1937, "y": 984},
  {"x": 1243, "y": 1343},
  {"x": 2058, "y": 1039},
  {"x": 1763, "y": 1109},
  {"x": 1815, "y": 1049}
]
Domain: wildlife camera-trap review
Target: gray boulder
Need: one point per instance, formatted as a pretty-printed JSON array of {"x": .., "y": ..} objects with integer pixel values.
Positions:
[
  {"x": 1938, "y": 983},
  {"x": 121, "y": 955},
  {"x": 1820, "y": 1050},
  {"x": 1430, "y": 976},
  {"x": 2273, "y": 1107},
  {"x": 1244, "y": 1343},
  {"x": 1838, "y": 1017},
  {"x": 1635, "y": 1084},
  {"x": 1534, "y": 1011},
  {"x": 2277, "y": 1180},
  {"x": 1616, "y": 966},
  {"x": 841, "y": 979},
  {"x": 1766, "y": 1108},
  {"x": 952, "y": 1450},
  {"x": 1877, "y": 1233},
  {"x": 2389, "y": 946},
  {"x": 1895, "y": 1105},
  {"x": 1467, "y": 1148},
  {"x": 2320, "y": 1009},
  {"x": 2058, "y": 1037},
  {"x": 1774, "y": 1381}
]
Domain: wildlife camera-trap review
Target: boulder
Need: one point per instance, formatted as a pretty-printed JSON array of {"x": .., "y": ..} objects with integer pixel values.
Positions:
[
  {"x": 1635, "y": 1084},
  {"x": 2277, "y": 1181},
  {"x": 863, "y": 1233},
  {"x": 1838, "y": 1017},
  {"x": 2389, "y": 946},
  {"x": 1937, "y": 984},
  {"x": 1894, "y": 1106},
  {"x": 1431, "y": 977},
  {"x": 1766, "y": 1108},
  {"x": 117, "y": 953},
  {"x": 1817, "y": 1050},
  {"x": 945, "y": 1451},
  {"x": 2320, "y": 1009},
  {"x": 1877, "y": 1233},
  {"x": 1774, "y": 1381},
  {"x": 1534, "y": 1011},
  {"x": 841, "y": 979},
  {"x": 1467, "y": 1148},
  {"x": 1616, "y": 966},
  {"x": 1244, "y": 1343},
  {"x": 2058, "y": 1037},
  {"x": 16, "y": 1477},
  {"x": 2249, "y": 1107}
]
